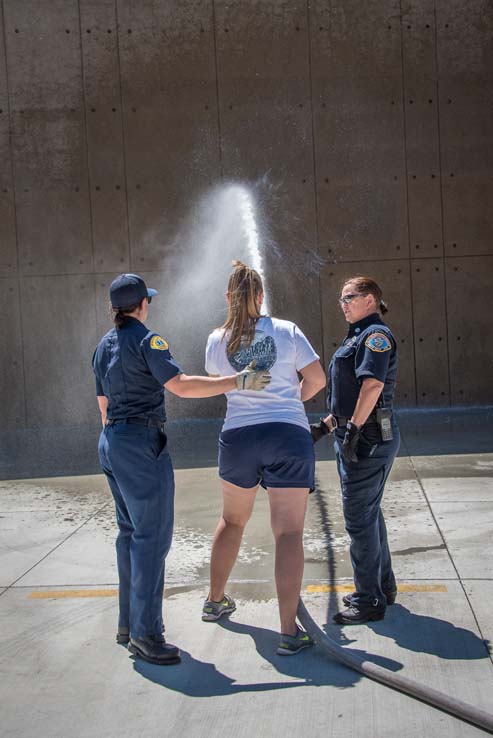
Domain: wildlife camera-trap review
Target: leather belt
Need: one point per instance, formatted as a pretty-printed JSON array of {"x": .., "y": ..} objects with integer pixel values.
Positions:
[{"x": 137, "y": 420}]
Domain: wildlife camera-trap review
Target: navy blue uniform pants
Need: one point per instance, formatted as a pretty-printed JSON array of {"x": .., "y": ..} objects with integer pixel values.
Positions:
[
  {"x": 138, "y": 467},
  {"x": 362, "y": 486}
]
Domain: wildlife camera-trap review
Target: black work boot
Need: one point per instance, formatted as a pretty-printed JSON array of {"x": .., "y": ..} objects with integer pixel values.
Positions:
[
  {"x": 389, "y": 596},
  {"x": 155, "y": 650},
  {"x": 359, "y": 615},
  {"x": 123, "y": 636}
]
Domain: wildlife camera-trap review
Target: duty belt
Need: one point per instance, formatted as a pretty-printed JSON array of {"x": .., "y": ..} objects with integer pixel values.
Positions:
[
  {"x": 138, "y": 420},
  {"x": 342, "y": 422}
]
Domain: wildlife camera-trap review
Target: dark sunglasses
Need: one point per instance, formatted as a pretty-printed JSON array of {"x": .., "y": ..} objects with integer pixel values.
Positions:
[
  {"x": 149, "y": 300},
  {"x": 349, "y": 298}
]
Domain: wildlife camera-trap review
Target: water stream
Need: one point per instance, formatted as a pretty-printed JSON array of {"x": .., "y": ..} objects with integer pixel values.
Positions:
[{"x": 223, "y": 226}]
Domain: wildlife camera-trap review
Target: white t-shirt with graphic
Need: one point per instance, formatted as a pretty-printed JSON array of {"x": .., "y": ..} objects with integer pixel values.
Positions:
[{"x": 278, "y": 346}]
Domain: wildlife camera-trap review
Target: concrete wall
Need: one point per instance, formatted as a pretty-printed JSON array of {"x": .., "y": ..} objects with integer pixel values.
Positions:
[{"x": 363, "y": 129}]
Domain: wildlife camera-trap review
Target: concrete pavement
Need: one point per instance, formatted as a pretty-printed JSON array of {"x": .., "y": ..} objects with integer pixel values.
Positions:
[{"x": 61, "y": 674}]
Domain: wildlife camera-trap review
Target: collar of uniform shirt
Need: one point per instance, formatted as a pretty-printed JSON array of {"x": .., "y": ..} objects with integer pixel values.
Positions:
[
  {"x": 132, "y": 321},
  {"x": 360, "y": 325}
]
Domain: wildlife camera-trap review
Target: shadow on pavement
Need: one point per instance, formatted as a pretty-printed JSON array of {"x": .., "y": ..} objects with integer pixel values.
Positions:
[
  {"x": 197, "y": 678},
  {"x": 311, "y": 665},
  {"x": 426, "y": 634}
]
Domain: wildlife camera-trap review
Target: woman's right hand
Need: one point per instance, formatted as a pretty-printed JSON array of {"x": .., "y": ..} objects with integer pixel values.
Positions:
[
  {"x": 322, "y": 428},
  {"x": 330, "y": 422}
]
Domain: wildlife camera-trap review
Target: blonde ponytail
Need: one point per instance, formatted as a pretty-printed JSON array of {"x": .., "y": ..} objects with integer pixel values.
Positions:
[{"x": 244, "y": 289}]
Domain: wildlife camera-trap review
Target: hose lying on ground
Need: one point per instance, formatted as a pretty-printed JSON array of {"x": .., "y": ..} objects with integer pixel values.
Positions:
[{"x": 453, "y": 706}]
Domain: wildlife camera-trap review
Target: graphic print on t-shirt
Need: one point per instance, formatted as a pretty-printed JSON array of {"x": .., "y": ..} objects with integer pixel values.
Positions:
[{"x": 264, "y": 351}]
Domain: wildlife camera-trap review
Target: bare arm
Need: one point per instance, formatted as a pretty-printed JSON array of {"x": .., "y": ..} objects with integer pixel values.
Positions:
[
  {"x": 313, "y": 380},
  {"x": 103, "y": 407},
  {"x": 367, "y": 399},
  {"x": 184, "y": 386}
]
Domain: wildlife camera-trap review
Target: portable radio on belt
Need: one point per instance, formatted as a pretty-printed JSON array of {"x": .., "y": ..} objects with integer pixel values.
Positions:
[{"x": 384, "y": 415}]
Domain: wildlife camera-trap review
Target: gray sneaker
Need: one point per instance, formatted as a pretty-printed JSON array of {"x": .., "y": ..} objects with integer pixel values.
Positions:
[
  {"x": 214, "y": 610},
  {"x": 289, "y": 645}
]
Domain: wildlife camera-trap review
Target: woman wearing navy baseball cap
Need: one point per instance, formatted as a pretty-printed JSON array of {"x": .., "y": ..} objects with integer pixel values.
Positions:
[
  {"x": 133, "y": 365},
  {"x": 129, "y": 289}
]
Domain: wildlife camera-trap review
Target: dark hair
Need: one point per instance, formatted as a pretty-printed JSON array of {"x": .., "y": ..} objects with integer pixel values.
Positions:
[
  {"x": 244, "y": 287},
  {"x": 120, "y": 315},
  {"x": 368, "y": 286}
]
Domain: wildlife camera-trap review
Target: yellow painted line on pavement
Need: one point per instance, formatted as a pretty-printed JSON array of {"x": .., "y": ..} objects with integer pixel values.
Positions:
[
  {"x": 312, "y": 588},
  {"x": 49, "y": 594}
]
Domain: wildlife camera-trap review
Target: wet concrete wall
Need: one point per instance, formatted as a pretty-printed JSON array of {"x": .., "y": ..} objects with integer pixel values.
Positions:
[{"x": 362, "y": 130}]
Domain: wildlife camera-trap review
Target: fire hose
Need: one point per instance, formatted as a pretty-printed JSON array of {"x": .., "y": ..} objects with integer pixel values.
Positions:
[{"x": 451, "y": 705}]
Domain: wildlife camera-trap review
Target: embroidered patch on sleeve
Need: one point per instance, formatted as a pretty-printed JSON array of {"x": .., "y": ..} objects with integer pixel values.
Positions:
[
  {"x": 378, "y": 342},
  {"x": 158, "y": 343}
]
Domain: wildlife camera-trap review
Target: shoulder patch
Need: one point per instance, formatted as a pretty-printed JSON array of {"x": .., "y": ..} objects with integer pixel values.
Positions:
[
  {"x": 158, "y": 343},
  {"x": 378, "y": 342}
]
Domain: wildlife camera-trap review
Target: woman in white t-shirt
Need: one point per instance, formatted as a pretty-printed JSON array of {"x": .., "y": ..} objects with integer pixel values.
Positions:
[{"x": 265, "y": 440}]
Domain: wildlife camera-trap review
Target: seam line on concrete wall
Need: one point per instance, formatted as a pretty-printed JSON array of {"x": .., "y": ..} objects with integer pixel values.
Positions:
[
  {"x": 124, "y": 138},
  {"x": 358, "y": 261},
  {"x": 83, "y": 83},
  {"x": 437, "y": 71},
  {"x": 404, "y": 130},
  {"x": 218, "y": 97},
  {"x": 16, "y": 222},
  {"x": 315, "y": 185}
]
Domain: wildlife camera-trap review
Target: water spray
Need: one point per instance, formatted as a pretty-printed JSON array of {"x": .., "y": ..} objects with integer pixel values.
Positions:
[{"x": 247, "y": 209}]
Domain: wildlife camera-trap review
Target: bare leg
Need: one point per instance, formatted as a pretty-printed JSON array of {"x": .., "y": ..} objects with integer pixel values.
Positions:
[
  {"x": 237, "y": 508},
  {"x": 288, "y": 508}
]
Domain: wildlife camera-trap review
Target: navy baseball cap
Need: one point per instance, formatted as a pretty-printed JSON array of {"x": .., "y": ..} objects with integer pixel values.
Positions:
[{"x": 128, "y": 290}]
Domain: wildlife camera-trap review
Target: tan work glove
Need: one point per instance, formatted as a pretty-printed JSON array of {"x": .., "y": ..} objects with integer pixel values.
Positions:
[{"x": 249, "y": 379}]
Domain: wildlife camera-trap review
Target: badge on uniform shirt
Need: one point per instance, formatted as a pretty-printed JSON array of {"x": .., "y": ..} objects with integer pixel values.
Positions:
[
  {"x": 378, "y": 342},
  {"x": 159, "y": 343}
]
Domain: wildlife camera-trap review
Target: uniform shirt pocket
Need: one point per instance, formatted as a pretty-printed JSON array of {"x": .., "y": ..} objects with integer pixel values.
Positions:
[{"x": 345, "y": 352}]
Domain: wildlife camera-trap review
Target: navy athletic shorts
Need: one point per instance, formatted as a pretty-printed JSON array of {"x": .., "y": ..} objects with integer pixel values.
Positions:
[{"x": 272, "y": 454}]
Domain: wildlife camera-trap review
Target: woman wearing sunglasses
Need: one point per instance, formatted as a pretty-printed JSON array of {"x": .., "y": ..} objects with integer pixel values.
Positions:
[{"x": 362, "y": 376}]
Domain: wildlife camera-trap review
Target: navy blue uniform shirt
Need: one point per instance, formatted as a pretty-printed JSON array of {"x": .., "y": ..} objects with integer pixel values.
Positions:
[
  {"x": 131, "y": 364},
  {"x": 369, "y": 350}
]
